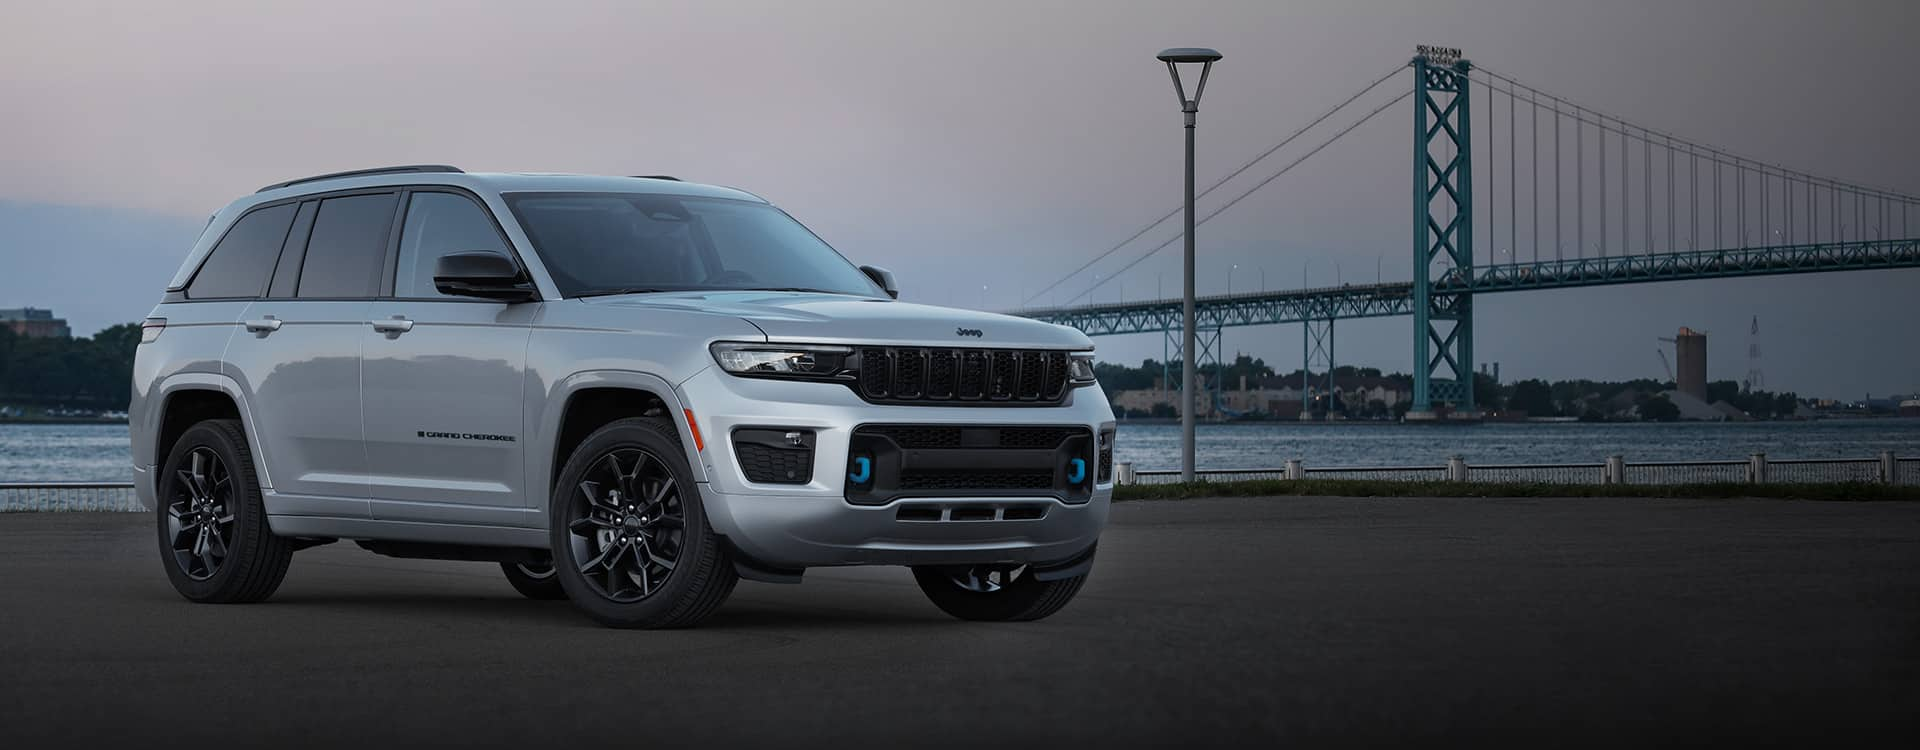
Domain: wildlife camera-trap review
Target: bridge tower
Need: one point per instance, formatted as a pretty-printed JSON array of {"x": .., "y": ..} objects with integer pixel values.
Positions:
[{"x": 1442, "y": 234}]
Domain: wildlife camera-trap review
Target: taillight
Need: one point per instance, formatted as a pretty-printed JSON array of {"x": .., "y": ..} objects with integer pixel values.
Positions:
[{"x": 151, "y": 328}]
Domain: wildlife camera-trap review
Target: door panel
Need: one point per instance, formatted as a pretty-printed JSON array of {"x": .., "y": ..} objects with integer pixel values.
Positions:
[
  {"x": 442, "y": 410},
  {"x": 299, "y": 362}
]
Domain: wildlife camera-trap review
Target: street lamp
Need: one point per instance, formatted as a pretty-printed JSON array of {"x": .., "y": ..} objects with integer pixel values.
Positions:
[{"x": 1174, "y": 58}]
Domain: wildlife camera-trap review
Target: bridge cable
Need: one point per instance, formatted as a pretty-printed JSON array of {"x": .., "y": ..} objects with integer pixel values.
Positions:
[
  {"x": 1798, "y": 194},
  {"x": 1222, "y": 181},
  {"x": 1722, "y": 156},
  {"x": 1250, "y": 191}
]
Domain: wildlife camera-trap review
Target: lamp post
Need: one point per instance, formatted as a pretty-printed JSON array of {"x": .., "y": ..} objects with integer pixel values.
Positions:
[{"x": 1174, "y": 58}]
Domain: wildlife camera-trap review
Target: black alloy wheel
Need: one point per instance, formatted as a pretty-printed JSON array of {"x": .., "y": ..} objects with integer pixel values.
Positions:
[
  {"x": 534, "y": 580},
  {"x": 627, "y": 526},
  {"x": 200, "y": 514},
  {"x": 995, "y": 593},
  {"x": 631, "y": 544}
]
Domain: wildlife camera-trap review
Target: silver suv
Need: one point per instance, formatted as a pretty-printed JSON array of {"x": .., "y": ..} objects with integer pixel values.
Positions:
[{"x": 628, "y": 391}]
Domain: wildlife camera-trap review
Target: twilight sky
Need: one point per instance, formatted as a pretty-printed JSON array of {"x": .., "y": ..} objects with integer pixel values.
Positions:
[{"x": 995, "y": 144}]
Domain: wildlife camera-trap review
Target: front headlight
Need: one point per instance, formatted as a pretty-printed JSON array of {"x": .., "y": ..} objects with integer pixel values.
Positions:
[
  {"x": 800, "y": 361},
  {"x": 1080, "y": 369}
]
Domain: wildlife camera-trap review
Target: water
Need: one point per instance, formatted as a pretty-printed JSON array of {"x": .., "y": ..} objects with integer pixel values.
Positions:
[
  {"x": 64, "y": 453},
  {"x": 98, "y": 453}
]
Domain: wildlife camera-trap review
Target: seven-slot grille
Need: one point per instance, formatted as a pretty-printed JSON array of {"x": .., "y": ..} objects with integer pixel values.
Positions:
[{"x": 942, "y": 375}]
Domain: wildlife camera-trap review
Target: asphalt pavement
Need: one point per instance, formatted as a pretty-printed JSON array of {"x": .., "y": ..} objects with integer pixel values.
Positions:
[{"x": 1312, "y": 621}]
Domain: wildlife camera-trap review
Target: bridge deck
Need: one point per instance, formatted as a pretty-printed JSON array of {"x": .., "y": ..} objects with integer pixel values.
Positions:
[{"x": 1392, "y": 299}]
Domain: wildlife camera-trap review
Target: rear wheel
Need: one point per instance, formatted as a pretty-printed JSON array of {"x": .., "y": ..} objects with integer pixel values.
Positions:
[
  {"x": 996, "y": 593},
  {"x": 534, "y": 580},
  {"x": 214, "y": 539},
  {"x": 631, "y": 544}
]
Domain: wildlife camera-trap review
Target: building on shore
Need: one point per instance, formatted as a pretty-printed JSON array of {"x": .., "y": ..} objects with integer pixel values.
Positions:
[
  {"x": 1690, "y": 348},
  {"x": 34, "y": 323}
]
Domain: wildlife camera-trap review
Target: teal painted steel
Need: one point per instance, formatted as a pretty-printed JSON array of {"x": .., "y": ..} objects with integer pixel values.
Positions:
[
  {"x": 1317, "y": 349},
  {"x": 1225, "y": 311},
  {"x": 1700, "y": 264},
  {"x": 1443, "y": 232},
  {"x": 1395, "y": 299}
]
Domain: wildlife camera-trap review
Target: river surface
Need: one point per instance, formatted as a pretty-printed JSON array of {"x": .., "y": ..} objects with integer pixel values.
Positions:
[{"x": 98, "y": 453}]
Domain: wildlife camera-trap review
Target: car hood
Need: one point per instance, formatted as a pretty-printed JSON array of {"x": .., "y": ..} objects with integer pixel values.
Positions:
[{"x": 838, "y": 318}]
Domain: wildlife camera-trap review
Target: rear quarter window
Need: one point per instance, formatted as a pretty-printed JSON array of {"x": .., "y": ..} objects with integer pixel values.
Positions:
[{"x": 239, "y": 265}]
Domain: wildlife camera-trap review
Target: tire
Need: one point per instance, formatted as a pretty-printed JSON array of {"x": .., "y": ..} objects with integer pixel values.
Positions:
[
  {"x": 995, "y": 594},
  {"x": 534, "y": 581},
  {"x": 631, "y": 544},
  {"x": 214, "y": 540}
]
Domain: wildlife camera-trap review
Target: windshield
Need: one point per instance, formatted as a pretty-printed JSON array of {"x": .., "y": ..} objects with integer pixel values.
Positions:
[{"x": 614, "y": 243}]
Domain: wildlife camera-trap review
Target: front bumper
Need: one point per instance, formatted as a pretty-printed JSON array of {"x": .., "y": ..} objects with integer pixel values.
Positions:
[{"x": 813, "y": 524}]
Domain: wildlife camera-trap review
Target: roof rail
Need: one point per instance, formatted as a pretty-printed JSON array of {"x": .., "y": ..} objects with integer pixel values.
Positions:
[
  {"x": 656, "y": 177},
  {"x": 404, "y": 169}
]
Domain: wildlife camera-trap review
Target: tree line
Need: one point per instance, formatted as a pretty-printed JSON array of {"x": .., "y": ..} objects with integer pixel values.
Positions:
[
  {"x": 1585, "y": 399},
  {"x": 96, "y": 373},
  {"x": 77, "y": 372}
]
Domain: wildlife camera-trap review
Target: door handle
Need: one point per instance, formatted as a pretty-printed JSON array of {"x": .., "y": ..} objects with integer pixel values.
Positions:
[
  {"x": 396, "y": 326},
  {"x": 263, "y": 326}
]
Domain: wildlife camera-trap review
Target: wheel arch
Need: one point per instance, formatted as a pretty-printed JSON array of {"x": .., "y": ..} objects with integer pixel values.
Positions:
[
  {"x": 585, "y": 401},
  {"x": 188, "y": 398}
]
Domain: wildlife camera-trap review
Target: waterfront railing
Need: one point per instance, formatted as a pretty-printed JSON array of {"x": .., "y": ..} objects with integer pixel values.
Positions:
[
  {"x": 68, "y": 496},
  {"x": 1757, "y": 468}
]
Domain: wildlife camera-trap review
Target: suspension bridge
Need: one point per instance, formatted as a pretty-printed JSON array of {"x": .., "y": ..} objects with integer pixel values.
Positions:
[{"x": 1579, "y": 198}]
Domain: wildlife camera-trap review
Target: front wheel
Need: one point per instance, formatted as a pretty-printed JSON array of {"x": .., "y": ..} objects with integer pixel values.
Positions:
[
  {"x": 631, "y": 544},
  {"x": 995, "y": 593}
]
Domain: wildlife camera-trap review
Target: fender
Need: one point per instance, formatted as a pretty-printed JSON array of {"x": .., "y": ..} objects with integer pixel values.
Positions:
[
  {"x": 203, "y": 381},
  {"x": 545, "y": 417}
]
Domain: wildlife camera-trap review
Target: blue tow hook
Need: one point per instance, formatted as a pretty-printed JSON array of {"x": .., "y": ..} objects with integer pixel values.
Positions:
[
  {"x": 1079, "y": 471},
  {"x": 862, "y": 474}
]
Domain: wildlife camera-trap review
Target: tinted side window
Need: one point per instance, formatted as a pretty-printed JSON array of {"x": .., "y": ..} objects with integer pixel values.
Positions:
[
  {"x": 240, "y": 264},
  {"x": 437, "y": 224},
  {"x": 346, "y": 251},
  {"x": 287, "y": 273}
]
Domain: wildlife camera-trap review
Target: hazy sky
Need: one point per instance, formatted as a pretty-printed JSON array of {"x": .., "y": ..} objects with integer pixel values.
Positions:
[{"x": 960, "y": 144}]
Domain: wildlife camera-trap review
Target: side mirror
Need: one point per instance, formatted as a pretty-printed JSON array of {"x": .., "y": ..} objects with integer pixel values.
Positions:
[
  {"x": 481, "y": 274},
  {"x": 884, "y": 278}
]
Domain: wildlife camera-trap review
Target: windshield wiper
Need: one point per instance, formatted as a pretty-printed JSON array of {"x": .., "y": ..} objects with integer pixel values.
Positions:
[
  {"x": 618, "y": 290},
  {"x": 790, "y": 289}
]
